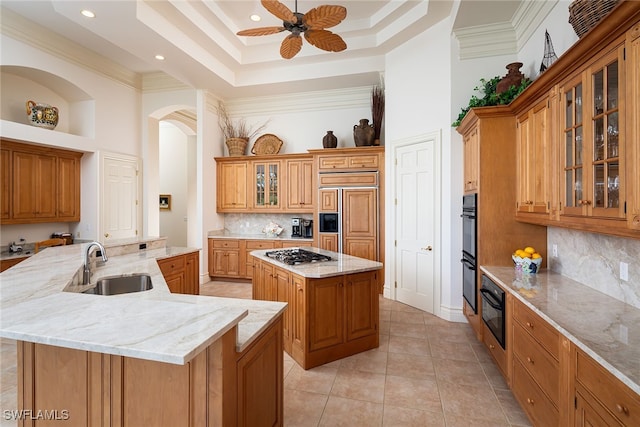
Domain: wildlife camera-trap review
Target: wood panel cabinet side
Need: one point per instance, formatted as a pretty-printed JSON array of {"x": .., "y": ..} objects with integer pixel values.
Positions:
[{"x": 633, "y": 125}]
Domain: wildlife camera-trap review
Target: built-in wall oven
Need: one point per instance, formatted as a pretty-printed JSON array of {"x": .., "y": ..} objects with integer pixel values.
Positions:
[
  {"x": 469, "y": 248},
  {"x": 493, "y": 309}
]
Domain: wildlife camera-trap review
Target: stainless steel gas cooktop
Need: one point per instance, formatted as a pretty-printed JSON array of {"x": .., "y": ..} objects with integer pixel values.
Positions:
[{"x": 297, "y": 256}]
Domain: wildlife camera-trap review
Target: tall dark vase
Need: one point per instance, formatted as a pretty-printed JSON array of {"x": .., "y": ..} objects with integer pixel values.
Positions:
[
  {"x": 363, "y": 134},
  {"x": 329, "y": 140}
]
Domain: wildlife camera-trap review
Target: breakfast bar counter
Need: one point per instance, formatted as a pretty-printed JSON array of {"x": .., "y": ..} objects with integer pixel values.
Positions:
[{"x": 143, "y": 358}]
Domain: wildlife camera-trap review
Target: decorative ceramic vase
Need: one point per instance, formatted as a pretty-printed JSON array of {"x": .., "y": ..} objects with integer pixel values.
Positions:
[
  {"x": 513, "y": 78},
  {"x": 42, "y": 115},
  {"x": 329, "y": 140},
  {"x": 237, "y": 146},
  {"x": 363, "y": 133}
]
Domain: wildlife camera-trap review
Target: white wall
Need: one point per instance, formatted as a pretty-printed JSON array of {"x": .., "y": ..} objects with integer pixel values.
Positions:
[
  {"x": 173, "y": 180},
  {"x": 116, "y": 127}
]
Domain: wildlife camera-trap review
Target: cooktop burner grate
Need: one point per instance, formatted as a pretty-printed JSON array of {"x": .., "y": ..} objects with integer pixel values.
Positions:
[{"x": 297, "y": 256}]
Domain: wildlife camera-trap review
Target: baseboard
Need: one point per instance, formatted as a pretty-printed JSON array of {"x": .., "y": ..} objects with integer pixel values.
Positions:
[{"x": 452, "y": 314}]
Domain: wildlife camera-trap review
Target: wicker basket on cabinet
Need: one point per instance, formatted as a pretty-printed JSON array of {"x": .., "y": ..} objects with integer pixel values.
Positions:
[{"x": 585, "y": 14}]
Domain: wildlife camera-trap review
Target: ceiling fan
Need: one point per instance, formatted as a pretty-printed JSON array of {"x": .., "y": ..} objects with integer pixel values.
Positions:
[{"x": 313, "y": 24}]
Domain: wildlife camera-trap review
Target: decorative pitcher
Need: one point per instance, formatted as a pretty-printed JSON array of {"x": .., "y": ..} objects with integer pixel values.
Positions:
[
  {"x": 42, "y": 115},
  {"x": 329, "y": 140},
  {"x": 363, "y": 134}
]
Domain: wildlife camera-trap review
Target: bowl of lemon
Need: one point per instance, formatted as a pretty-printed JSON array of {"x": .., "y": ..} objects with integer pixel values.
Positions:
[{"x": 527, "y": 260}]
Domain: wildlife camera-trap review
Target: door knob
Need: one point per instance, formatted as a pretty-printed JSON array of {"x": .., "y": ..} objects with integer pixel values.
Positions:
[
  {"x": 428, "y": 248},
  {"x": 106, "y": 234}
]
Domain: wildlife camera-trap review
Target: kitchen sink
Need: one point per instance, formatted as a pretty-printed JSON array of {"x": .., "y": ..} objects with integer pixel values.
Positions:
[{"x": 116, "y": 285}]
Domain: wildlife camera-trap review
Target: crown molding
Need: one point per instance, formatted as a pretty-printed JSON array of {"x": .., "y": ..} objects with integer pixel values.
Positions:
[
  {"x": 21, "y": 29},
  {"x": 529, "y": 17},
  {"x": 504, "y": 38},
  {"x": 336, "y": 99},
  {"x": 161, "y": 82},
  {"x": 487, "y": 40}
]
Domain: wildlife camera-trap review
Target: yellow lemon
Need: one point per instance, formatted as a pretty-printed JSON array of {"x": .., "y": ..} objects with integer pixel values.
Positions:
[
  {"x": 529, "y": 250},
  {"x": 525, "y": 255},
  {"x": 520, "y": 253},
  {"x": 536, "y": 255}
]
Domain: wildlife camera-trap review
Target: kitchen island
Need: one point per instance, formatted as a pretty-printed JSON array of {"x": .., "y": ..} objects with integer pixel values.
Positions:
[
  {"x": 333, "y": 306},
  {"x": 144, "y": 358}
]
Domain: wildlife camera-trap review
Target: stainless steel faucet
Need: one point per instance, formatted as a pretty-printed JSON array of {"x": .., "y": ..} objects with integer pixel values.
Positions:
[{"x": 86, "y": 276}]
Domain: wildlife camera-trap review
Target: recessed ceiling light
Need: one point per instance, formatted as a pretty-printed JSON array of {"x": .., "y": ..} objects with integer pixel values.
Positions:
[
  {"x": 88, "y": 13},
  {"x": 255, "y": 18},
  {"x": 160, "y": 57}
]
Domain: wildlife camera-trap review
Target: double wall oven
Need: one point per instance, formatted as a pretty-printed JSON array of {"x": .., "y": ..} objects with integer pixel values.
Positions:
[{"x": 469, "y": 250}]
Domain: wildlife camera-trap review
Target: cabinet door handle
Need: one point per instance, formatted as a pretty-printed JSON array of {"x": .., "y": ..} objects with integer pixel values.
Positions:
[
  {"x": 530, "y": 324},
  {"x": 530, "y": 360},
  {"x": 622, "y": 409},
  {"x": 491, "y": 346},
  {"x": 530, "y": 401}
]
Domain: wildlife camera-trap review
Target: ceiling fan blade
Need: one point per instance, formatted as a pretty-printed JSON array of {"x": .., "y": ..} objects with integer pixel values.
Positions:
[
  {"x": 325, "y": 16},
  {"x": 291, "y": 45},
  {"x": 279, "y": 10},
  {"x": 262, "y": 31},
  {"x": 325, "y": 40}
]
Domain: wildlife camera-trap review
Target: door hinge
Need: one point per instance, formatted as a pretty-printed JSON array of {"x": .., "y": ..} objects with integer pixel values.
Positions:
[
  {"x": 136, "y": 232},
  {"x": 395, "y": 243},
  {"x": 395, "y": 201},
  {"x": 575, "y": 402},
  {"x": 396, "y": 161},
  {"x": 624, "y": 53},
  {"x": 548, "y": 103},
  {"x": 625, "y": 207},
  {"x": 395, "y": 284},
  {"x": 136, "y": 203}
]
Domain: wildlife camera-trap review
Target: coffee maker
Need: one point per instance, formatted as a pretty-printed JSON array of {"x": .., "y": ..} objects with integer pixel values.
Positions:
[
  {"x": 296, "y": 227},
  {"x": 301, "y": 227}
]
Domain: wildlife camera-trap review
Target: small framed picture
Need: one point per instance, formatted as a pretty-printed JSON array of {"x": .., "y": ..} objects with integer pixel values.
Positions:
[{"x": 165, "y": 201}]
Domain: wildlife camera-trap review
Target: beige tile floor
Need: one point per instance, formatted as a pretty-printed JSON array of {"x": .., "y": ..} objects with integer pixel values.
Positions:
[{"x": 426, "y": 372}]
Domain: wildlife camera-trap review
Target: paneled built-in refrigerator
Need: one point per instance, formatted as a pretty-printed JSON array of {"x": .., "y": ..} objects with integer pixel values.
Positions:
[{"x": 348, "y": 213}]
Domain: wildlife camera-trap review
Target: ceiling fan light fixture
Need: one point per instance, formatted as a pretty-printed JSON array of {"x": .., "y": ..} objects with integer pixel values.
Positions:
[
  {"x": 312, "y": 24},
  {"x": 255, "y": 18}
]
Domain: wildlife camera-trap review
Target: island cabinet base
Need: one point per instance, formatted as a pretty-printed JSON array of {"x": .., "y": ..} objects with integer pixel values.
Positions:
[
  {"x": 219, "y": 387},
  {"x": 326, "y": 318}
]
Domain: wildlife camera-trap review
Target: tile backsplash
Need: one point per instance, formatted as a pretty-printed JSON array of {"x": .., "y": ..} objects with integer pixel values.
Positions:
[
  {"x": 594, "y": 260},
  {"x": 254, "y": 223}
]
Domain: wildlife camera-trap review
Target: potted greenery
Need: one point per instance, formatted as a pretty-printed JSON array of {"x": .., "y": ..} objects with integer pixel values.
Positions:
[
  {"x": 491, "y": 97},
  {"x": 237, "y": 134}
]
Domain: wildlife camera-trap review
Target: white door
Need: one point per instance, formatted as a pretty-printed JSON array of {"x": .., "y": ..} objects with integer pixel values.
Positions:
[
  {"x": 417, "y": 197},
  {"x": 119, "y": 205}
]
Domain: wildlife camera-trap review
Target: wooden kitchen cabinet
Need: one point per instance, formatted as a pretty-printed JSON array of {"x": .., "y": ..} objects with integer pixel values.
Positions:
[
  {"x": 225, "y": 258},
  {"x": 593, "y": 145},
  {"x": 7, "y": 173},
  {"x": 300, "y": 184},
  {"x": 232, "y": 186},
  {"x": 471, "y": 169},
  {"x": 8, "y": 263},
  {"x": 266, "y": 185},
  {"x": 181, "y": 273},
  {"x": 349, "y": 159},
  {"x": 34, "y": 186},
  {"x": 329, "y": 318},
  {"x": 39, "y": 184},
  {"x": 218, "y": 387},
  {"x": 360, "y": 232},
  {"x": 533, "y": 171},
  {"x": 601, "y": 395},
  {"x": 254, "y": 245}
]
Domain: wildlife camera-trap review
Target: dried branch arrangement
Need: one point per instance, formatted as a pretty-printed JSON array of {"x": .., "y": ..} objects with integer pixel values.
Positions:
[
  {"x": 377, "y": 109},
  {"x": 237, "y": 129}
]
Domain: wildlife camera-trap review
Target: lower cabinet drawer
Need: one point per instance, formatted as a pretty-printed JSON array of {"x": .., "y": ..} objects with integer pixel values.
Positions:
[
  {"x": 170, "y": 266},
  {"x": 612, "y": 393},
  {"x": 537, "y": 361},
  {"x": 496, "y": 350},
  {"x": 226, "y": 243},
  {"x": 534, "y": 402},
  {"x": 260, "y": 244}
]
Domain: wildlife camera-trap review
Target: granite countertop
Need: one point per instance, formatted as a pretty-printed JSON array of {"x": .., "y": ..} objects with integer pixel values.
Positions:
[
  {"x": 602, "y": 326},
  {"x": 339, "y": 265},
  {"x": 41, "y": 302},
  {"x": 224, "y": 234}
]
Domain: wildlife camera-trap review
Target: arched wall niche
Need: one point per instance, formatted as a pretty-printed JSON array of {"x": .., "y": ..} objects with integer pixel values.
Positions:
[{"x": 20, "y": 84}]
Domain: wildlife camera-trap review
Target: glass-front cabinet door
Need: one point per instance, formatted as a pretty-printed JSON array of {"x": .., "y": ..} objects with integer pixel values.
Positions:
[
  {"x": 266, "y": 185},
  {"x": 592, "y": 111}
]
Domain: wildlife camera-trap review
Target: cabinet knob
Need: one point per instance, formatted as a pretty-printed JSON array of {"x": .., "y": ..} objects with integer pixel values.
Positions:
[
  {"x": 622, "y": 409},
  {"x": 530, "y": 401},
  {"x": 530, "y": 324},
  {"x": 530, "y": 360},
  {"x": 491, "y": 346}
]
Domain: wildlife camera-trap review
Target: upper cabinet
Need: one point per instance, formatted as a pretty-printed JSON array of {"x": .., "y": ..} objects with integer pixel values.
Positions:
[
  {"x": 533, "y": 166},
  {"x": 232, "y": 186},
  {"x": 578, "y": 144},
  {"x": 266, "y": 185},
  {"x": 39, "y": 184},
  {"x": 471, "y": 171},
  {"x": 301, "y": 184}
]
